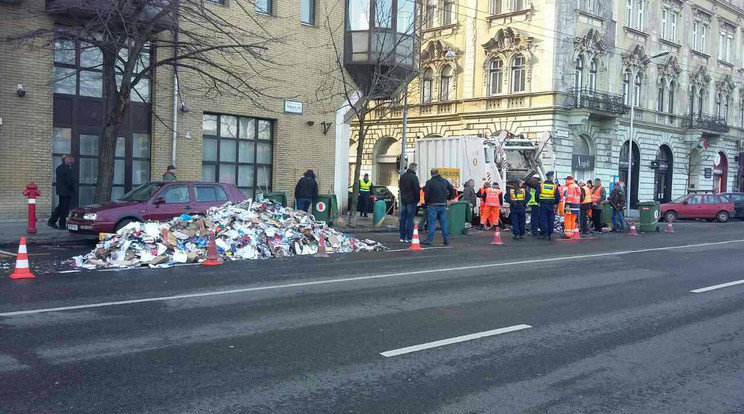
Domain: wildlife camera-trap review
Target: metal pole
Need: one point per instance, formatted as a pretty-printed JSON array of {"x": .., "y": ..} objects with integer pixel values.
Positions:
[
  {"x": 403, "y": 163},
  {"x": 629, "y": 186}
]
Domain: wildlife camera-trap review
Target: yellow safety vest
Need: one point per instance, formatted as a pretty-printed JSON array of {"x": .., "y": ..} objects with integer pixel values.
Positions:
[
  {"x": 533, "y": 201},
  {"x": 518, "y": 196},
  {"x": 547, "y": 192},
  {"x": 365, "y": 186}
]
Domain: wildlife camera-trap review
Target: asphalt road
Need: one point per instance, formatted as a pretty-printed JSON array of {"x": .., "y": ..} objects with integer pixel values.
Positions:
[{"x": 606, "y": 325}]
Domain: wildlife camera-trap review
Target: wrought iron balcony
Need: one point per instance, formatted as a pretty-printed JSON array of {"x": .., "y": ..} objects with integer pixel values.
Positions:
[
  {"x": 596, "y": 101},
  {"x": 705, "y": 122}
]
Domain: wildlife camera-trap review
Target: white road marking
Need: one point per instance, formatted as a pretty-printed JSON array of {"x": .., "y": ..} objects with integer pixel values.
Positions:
[
  {"x": 455, "y": 340},
  {"x": 721, "y": 286},
  {"x": 363, "y": 278}
]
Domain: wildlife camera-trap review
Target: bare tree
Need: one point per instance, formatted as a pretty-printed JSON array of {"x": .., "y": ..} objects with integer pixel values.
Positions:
[
  {"x": 217, "y": 47},
  {"x": 373, "y": 95}
]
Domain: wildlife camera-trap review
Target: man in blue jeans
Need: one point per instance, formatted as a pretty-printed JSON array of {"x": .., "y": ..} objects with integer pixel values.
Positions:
[
  {"x": 305, "y": 191},
  {"x": 409, "y": 198},
  {"x": 436, "y": 193}
]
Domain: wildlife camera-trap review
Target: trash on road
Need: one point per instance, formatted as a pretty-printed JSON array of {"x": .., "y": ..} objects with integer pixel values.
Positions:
[{"x": 245, "y": 231}]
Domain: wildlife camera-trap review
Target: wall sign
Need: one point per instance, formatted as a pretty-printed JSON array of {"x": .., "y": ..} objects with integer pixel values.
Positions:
[
  {"x": 708, "y": 173},
  {"x": 293, "y": 107},
  {"x": 582, "y": 162}
]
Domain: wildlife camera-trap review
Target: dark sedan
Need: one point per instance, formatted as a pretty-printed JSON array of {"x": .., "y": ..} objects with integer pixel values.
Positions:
[
  {"x": 380, "y": 193},
  {"x": 738, "y": 200}
]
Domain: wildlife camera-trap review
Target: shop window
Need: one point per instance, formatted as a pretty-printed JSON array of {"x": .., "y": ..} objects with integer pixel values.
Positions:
[{"x": 238, "y": 151}]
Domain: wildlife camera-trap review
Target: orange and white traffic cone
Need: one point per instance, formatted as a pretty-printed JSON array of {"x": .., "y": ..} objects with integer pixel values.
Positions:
[
  {"x": 633, "y": 231},
  {"x": 497, "y": 237},
  {"x": 670, "y": 228},
  {"x": 21, "y": 270},
  {"x": 321, "y": 246},
  {"x": 213, "y": 258},
  {"x": 576, "y": 235},
  {"x": 415, "y": 242}
]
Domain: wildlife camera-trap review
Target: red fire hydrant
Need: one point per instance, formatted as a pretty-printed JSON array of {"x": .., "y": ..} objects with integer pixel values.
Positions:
[{"x": 32, "y": 191}]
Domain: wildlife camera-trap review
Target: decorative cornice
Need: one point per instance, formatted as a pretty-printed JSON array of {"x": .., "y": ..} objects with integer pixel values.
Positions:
[
  {"x": 437, "y": 51},
  {"x": 508, "y": 40},
  {"x": 726, "y": 85},
  {"x": 635, "y": 59},
  {"x": 671, "y": 68},
  {"x": 591, "y": 43}
]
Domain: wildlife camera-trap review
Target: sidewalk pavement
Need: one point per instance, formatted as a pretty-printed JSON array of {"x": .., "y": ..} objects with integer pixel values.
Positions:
[
  {"x": 11, "y": 233},
  {"x": 365, "y": 225}
]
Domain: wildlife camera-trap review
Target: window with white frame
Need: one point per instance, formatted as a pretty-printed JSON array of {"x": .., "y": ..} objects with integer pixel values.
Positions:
[
  {"x": 447, "y": 12},
  {"x": 497, "y": 7},
  {"x": 635, "y": 14},
  {"x": 430, "y": 13},
  {"x": 590, "y": 6},
  {"x": 518, "y": 74},
  {"x": 672, "y": 87},
  {"x": 725, "y": 43},
  {"x": 669, "y": 19},
  {"x": 699, "y": 35},
  {"x": 579, "y": 75},
  {"x": 495, "y": 76},
  {"x": 500, "y": 6},
  {"x": 445, "y": 84},
  {"x": 660, "y": 100},
  {"x": 517, "y": 5},
  {"x": 427, "y": 86},
  {"x": 593, "y": 75},
  {"x": 626, "y": 88},
  {"x": 637, "y": 90}
]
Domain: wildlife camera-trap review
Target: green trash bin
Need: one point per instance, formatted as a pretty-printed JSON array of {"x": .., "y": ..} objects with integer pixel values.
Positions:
[
  {"x": 606, "y": 214},
  {"x": 277, "y": 197},
  {"x": 469, "y": 213},
  {"x": 323, "y": 207},
  {"x": 650, "y": 213},
  {"x": 456, "y": 214}
]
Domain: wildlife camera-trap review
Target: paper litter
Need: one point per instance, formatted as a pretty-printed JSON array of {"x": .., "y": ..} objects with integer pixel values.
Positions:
[{"x": 245, "y": 231}]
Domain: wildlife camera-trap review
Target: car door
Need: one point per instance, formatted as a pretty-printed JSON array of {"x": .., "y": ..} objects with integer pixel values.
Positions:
[
  {"x": 170, "y": 202},
  {"x": 711, "y": 206},
  {"x": 691, "y": 208},
  {"x": 207, "y": 196}
]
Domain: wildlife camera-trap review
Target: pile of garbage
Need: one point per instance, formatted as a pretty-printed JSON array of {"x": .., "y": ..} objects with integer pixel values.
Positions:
[{"x": 245, "y": 231}]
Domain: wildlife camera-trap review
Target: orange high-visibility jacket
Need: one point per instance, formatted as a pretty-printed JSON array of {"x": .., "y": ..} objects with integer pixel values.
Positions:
[
  {"x": 596, "y": 194},
  {"x": 573, "y": 195},
  {"x": 493, "y": 197},
  {"x": 587, "y": 195}
]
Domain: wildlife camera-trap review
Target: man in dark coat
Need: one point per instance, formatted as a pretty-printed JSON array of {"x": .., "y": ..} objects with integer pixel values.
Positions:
[
  {"x": 410, "y": 190},
  {"x": 306, "y": 191},
  {"x": 66, "y": 189},
  {"x": 436, "y": 193}
]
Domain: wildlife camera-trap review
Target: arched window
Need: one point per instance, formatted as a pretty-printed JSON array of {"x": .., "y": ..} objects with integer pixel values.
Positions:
[
  {"x": 719, "y": 107},
  {"x": 518, "y": 74},
  {"x": 700, "y": 102},
  {"x": 725, "y": 108},
  {"x": 445, "y": 83},
  {"x": 637, "y": 90},
  {"x": 579, "y": 76},
  {"x": 672, "y": 86},
  {"x": 427, "y": 86},
  {"x": 593, "y": 75},
  {"x": 495, "y": 76},
  {"x": 660, "y": 104},
  {"x": 693, "y": 93},
  {"x": 626, "y": 88}
]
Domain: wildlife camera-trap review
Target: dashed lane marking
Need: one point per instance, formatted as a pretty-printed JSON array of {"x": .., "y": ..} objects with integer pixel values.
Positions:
[
  {"x": 455, "y": 340},
  {"x": 716, "y": 287}
]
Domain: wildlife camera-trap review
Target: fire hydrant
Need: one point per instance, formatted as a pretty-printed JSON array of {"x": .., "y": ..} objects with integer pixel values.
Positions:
[{"x": 32, "y": 192}]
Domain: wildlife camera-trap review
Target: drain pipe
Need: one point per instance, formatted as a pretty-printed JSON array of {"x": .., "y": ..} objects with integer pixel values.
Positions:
[{"x": 174, "y": 144}]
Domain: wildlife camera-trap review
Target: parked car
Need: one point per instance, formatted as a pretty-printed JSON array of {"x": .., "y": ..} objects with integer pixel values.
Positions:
[
  {"x": 155, "y": 200},
  {"x": 738, "y": 200},
  {"x": 699, "y": 206},
  {"x": 379, "y": 192}
]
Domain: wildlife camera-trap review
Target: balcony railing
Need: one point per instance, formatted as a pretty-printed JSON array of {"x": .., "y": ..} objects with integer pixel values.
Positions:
[
  {"x": 705, "y": 122},
  {"x": 597, "y": 101}
]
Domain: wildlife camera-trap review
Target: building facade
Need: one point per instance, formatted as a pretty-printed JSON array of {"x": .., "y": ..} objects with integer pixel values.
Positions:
[
  {"x": 574, "y": 67},
  {"x": 217, "y": 137}
]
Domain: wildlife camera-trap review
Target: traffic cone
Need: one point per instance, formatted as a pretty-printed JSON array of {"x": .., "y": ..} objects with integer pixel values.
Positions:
[
  {"x": 670, "y": 228},
  {"x": 497, "y": 237},
  {"x": 633, "y": 231},
  {"x": 415, "y": 242},
  {"x": 21, "y": 270},
  {"x": 321, "y": 246},
  {"x": 213, "y": 258},
  {"x": 576, "y": 235}
]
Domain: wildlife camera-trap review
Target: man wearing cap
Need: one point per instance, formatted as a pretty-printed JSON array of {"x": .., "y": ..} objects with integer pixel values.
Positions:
[
  {"x": 517, "y": 198},
  {"x": 534, "y": 206},
  {"x": 548, "y": 197}
]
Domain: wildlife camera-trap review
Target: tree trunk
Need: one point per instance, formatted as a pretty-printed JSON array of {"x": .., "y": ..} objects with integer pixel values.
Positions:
[
  {"x": 115, "y": 105},
  {"x": 357, "y": 169}
]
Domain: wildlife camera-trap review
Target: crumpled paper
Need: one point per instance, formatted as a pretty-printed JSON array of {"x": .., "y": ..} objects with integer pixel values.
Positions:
[{"x": 244, "y": 231}]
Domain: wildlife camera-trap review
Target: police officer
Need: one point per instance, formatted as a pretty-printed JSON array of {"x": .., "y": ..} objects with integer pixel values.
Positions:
[
  {"x": 517, "y": 198},
  {"x": 365, "y": 196},
  {"x": 534, "y": 206},
  {"x": 548, "y": 197}
]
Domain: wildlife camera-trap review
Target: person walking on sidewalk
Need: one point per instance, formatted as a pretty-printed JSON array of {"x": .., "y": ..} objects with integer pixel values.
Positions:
[
  {"x": 365, "y": 196},
  {"x": 409, "y": 198},
  {"x": 170, "y": 173},
  {"x": 436, "y": 193},
  {"x": 599, "y": 195},
  {"x": 517, "y": 199},
  {"x": 306, "y": 191},
  {"x": 66, "y": 189},
  {"x": 617, "y": 201},
  {"x": 548, "y": 197}
]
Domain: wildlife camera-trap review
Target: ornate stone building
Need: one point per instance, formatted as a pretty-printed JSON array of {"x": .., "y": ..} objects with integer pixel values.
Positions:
[{"x": 574, "y": 67}]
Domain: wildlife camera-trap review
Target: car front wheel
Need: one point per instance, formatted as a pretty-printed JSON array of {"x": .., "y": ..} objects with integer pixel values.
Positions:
[
  {"x": 670, "y": 216},
  {"x": 122, "y": 223},
  {"x": 723, "y": 216}
]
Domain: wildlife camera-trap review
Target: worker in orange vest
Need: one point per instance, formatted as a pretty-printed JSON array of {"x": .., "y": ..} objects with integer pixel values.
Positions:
[
  {"x": 491, "y": 201},
  {"x": 572, "y": 207},
  {"x": 586, "y": 207}
]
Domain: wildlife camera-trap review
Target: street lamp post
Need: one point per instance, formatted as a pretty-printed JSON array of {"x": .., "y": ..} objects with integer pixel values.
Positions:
[{"x": 631, "y": 85}]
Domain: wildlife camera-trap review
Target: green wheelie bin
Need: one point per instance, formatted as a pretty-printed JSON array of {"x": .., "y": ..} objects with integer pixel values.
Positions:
[
  {"x": 456, "y": 214},
  {"x": 650, "y": 213},
  {"x": 277, "y": 197},
  {"x": 323, "y": 207},
  {"x": 606, "y": 214}
]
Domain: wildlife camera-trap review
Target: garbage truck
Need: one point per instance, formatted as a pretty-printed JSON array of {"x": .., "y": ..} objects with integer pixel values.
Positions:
[{"x": 495, "y": 159}]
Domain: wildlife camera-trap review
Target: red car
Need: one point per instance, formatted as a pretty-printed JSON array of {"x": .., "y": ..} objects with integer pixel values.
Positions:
[
  {"x": 155, "y": 200},
  {"x": 699, "y": 206}
]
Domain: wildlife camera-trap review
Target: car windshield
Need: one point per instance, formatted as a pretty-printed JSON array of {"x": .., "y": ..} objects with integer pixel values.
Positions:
[
  {"x": 142, "y": 193},
  {"x": 379, "y": 190},
  {"x": 679, "y": 200}
]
